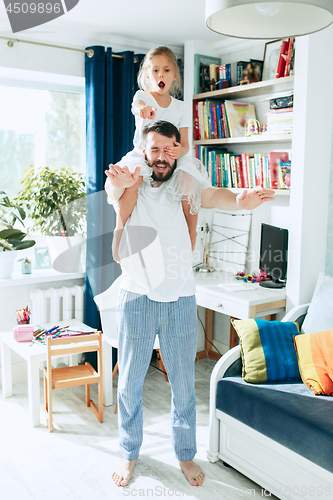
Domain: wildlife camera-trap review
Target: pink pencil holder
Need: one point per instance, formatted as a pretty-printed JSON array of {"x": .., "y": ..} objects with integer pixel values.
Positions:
[{"x": 23, "y": 333}]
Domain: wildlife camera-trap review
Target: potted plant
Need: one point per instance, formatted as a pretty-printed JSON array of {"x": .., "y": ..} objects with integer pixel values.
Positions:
[
  {"x": 56, "y": 204},
  {"x": 11, "y": 239}
]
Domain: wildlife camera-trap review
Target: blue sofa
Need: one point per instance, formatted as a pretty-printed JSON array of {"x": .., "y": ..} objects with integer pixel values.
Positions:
[{"x": 280, "y": 435}]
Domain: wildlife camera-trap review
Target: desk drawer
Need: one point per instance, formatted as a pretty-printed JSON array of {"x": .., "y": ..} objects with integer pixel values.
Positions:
[{"x": 222, "y": 305}]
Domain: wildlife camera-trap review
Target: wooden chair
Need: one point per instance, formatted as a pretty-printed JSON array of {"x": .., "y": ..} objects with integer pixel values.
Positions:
[{"x": 70, "y": 376}]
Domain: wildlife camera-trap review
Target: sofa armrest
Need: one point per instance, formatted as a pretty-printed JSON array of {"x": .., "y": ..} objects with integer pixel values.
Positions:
[
  {"x": 219, "y": 370},
  {"x": 296, "y": 312}
]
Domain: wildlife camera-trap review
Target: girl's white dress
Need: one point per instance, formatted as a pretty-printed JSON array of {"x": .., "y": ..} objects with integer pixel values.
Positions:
[{"x": 190, "y": 177}]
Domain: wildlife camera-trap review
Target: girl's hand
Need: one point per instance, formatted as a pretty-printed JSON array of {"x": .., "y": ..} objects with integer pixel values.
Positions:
[
  {"x": 121, "y": 177},
  {"x": 248, "y": 200},
  {"x": 175, "y": 152},
  {"x": 148, "y": 112}
]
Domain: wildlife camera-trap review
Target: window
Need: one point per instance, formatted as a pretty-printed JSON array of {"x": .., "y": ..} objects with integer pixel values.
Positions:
[{"x": 39, "y": 127}]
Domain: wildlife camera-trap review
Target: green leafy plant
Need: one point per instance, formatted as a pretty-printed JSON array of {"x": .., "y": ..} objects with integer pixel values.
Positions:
[
  {"x": 55, "y": 200},
  {"x": 10, "y": 237}
]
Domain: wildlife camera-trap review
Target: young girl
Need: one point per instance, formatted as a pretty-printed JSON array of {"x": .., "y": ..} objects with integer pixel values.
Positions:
[{"x": 159, "y": 77}]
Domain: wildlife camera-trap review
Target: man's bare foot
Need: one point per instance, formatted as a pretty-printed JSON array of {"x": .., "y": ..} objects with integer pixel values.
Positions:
[
  {"x": 193, "y": 473},
  {"x": 122, "y": 475}
]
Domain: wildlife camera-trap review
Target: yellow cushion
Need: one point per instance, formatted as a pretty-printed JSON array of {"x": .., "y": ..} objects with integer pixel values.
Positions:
[{"x": 315, "y": 360}]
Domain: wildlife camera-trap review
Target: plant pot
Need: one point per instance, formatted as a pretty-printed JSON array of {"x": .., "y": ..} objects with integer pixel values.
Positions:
[
  {"x": 65, "y": 252},
  {"x": 7, "y": 260}
]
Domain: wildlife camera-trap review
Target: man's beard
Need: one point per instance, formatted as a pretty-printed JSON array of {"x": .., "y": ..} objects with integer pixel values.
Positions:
[{"x": 162, "y": 176}]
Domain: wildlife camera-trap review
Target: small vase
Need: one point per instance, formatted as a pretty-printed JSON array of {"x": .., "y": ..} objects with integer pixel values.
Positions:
[{"x": 26, "y": 267}]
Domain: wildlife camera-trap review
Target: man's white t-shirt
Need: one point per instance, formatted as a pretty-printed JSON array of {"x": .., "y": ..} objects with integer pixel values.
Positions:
[
  {"x": 175, "y": 113},
  {"x": 158, "y": 255}
]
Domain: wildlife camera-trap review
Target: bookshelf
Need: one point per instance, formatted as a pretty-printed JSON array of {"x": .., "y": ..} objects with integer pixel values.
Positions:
[{"x": 252, "y": 93}]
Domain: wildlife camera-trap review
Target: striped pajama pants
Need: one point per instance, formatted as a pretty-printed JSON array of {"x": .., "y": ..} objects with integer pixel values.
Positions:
[{"x": 139, "y": 320}]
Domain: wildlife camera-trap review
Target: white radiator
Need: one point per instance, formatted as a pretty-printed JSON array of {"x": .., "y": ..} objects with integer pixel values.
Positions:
[{"x": 57, "y": 304}]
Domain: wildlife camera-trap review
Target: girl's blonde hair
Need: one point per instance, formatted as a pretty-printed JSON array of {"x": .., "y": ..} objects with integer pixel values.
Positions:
[{"x": 144, "y": 82}]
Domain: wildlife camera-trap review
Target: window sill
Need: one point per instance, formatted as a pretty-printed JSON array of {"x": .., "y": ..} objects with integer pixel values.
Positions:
[{"x": 39, "y": 276}]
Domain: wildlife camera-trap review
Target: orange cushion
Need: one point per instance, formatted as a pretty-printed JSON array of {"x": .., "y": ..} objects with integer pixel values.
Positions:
[{"x": 315, "y": 360}]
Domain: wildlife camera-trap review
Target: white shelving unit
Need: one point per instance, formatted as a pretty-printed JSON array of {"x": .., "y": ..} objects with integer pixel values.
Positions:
[{"x": 305, "y": 211}]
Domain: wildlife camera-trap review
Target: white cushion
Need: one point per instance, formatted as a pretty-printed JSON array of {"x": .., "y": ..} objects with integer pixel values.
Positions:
[{"x": 320, "y": 312}]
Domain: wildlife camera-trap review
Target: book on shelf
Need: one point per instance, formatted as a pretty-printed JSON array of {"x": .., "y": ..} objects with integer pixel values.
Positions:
[
  {"x": 196, "y": 131},
  {"x": 291, "y": 42},
  {"x": 280, "y": 121},
  {"x": 283, "y": 176},
  {"x": 204, "y": 78},
  {"x": 206, "y": 61},
  {"x": 223, "y": 81},
  {"x": 274, "y": 159},
  {"x": 214, "y": 75},
  {"x": 281, "y": 63},
  {"x": 238, "y": 113}
]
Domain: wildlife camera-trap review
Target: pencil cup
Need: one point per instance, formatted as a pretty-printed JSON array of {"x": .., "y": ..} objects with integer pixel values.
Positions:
[{"x": 23, "y": 321}]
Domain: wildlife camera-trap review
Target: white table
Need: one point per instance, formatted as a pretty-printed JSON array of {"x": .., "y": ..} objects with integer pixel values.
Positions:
[
  {"x": 33, "y": 355},
  {"x": 254, "y": 302}
]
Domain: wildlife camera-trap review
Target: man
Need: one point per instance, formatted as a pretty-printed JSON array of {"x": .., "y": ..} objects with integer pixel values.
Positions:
[{"x": 157, "y": 296}]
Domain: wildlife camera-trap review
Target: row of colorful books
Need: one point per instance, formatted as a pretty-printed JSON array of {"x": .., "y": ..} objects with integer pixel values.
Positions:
[
  {"x": 226, "y": 169},
  {"x": 219, "y": 119}
]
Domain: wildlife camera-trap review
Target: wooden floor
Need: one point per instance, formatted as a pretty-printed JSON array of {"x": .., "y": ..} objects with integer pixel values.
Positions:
[{"x": 77, "y": 460}]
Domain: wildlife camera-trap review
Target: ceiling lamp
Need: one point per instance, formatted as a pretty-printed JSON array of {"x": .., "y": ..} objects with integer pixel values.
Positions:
[{"x": 260, "y": 19}]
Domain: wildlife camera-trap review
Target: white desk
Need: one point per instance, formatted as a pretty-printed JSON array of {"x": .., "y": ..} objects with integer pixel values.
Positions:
[
  {"x": 34, "y": 355},
  {"x": 253, "y": 303}
]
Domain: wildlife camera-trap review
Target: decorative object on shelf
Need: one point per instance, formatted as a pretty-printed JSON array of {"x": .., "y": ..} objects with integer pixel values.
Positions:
[
  {"x": 42, "y": 256},
  {"x": 259, "y": 19},
  {"x": 252, "y": 127},
  {"x": 271, "y": 56},
  {"x": 263, "y": 128},
  {"x": 204, "y": 267},
  {"x": 230, "y": 236},
  {"x": 25, "y": 265}
]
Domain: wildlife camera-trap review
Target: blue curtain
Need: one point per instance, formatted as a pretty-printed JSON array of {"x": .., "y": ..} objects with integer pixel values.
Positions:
[{"x": 110, "y": 86}]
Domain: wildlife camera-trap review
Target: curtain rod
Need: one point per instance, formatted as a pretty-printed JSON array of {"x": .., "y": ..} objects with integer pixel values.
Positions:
[{"x": 89, "y": 52}]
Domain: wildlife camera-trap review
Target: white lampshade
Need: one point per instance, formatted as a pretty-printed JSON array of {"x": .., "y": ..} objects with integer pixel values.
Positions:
[{"x": 262, "y": 19}]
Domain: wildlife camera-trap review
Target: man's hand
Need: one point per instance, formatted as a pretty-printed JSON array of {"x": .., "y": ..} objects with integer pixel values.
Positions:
[
  {"x": 122, "y": 178},
  {"x": 175, "y": 152},
  {"x": 148, "y": 112},
  {"x": 252, "y": 198}
]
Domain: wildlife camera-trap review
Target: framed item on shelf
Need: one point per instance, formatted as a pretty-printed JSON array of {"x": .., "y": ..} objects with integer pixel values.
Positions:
[
  {"x": 271, "y": 57},
  {"x": 42, "y": 258}
]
